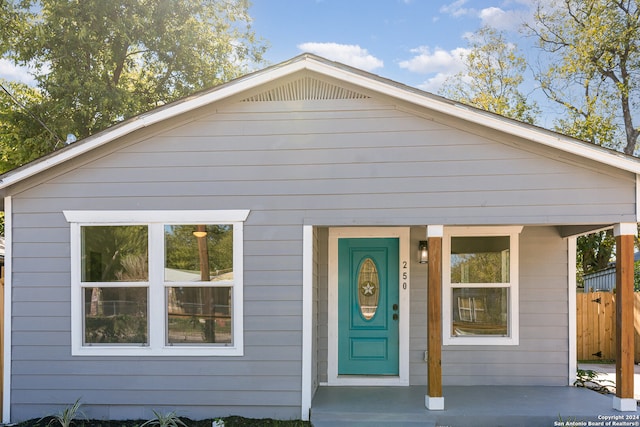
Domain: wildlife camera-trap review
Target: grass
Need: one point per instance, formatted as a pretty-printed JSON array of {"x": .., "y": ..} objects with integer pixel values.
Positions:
[{"x": 228, "y": 422}]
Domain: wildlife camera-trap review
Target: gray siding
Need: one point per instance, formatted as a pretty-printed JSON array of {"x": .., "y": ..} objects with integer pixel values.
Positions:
[
  {"x": 356, "y": 162},
  {"x": 542, "y": 357}
]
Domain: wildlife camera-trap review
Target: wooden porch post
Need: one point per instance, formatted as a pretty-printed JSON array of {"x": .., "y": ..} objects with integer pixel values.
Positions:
[
  {"x": 625, "y": 234},
  {"x": 434, "y": 399}
]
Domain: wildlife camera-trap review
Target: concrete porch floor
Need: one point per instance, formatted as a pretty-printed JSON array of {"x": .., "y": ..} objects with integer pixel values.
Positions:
[{"x": 464, "y": 406}]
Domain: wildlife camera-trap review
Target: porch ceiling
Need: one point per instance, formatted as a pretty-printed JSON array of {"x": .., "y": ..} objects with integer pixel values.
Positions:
[{"x": 578, "y": 230}]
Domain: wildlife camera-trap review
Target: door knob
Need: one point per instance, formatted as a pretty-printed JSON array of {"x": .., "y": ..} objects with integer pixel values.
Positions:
[
  {"x": 395, "y": 307},
  {"x": 395, "y": 316}
]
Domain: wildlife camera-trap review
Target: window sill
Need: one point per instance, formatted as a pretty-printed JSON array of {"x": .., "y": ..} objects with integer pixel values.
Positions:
[
  {"x": 480, "y": 340},
  {"x": 162, "y": 351}
]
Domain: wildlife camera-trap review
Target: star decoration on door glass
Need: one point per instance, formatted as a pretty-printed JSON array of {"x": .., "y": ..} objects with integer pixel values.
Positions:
[{"x": 367, "y": 288}]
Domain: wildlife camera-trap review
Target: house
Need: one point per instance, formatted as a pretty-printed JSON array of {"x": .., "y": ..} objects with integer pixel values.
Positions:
[{"x": 304, "y": 227}]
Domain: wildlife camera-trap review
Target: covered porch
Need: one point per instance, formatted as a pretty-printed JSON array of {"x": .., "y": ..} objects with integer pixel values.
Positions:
[
  {"x": 527, "y": 400},
  {"x": 465, "y": 406}
]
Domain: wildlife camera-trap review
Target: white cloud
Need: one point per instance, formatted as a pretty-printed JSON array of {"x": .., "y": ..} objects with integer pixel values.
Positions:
[
  {"x": 502, "y": 20},
  {"x": 11, "y": 72},
  {"x": 348, "y": 54},
  {"x": 456, "y": 8},
  {"x": 438, "y": 60},
  {"x": 438, "y": 64}
]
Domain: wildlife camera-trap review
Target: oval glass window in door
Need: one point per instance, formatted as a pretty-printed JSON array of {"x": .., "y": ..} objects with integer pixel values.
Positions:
[{"x": 368, "y": 289}]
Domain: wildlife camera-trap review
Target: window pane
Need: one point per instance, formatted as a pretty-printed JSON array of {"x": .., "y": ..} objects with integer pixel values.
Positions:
[
  {"x": 480, "y": 259},
  {"x": 480, "y": 311},
  {"x": 199, "y": 315},
  {"x": 368, "y": 289},
  {"x": 198, "y": 253},
  {"x": 115, "y": 315},
  {"x": 115, "y": 253}
]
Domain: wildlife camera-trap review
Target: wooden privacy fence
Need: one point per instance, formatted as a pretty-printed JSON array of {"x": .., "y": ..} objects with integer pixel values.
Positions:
[{"x": 596, "y": 325}]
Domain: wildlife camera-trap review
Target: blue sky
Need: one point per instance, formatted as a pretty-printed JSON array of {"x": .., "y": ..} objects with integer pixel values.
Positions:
[{"x": 415, "y": 42}]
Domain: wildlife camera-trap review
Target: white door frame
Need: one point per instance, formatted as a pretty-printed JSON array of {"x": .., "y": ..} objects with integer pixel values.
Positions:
[{"x": 403, "y": 234}]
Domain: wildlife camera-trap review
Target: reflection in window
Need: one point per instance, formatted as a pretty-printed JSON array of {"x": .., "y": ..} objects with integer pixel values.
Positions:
[
  {"x": 198, "y": 253},
  {"x": 480, "y": 311},
  {"x": 480, "y": 286},
  {"x": 199, "y": 315},
  {"x": 115, "y": 315},
  {"x": 480, "y": 259},
  {"x": 145, "y": 284},
  {"x": 115, "y": 253}
]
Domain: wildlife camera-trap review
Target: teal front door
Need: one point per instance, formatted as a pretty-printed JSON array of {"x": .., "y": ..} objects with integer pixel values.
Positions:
[{"x": 368, "y": 306}]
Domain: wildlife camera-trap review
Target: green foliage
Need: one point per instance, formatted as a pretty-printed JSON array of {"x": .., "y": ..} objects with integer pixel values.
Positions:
[
  {"x": 232, "y": 421},
  {"x": 588, "y": 378},
  {"x": 182, "y": 248},
  {"x": 67, "y": 416},
  {"x": 165, "y": 420},
  {"x": 480, "y": 267},
  {"x": 99, "y": 62},
  {"x": 593, "y": 60},
  {"x": 120, "y": 328},
  {"x": 595, "y": 251},
  {"x": 494, "y": 71},
  {"x": 114, "y": 253},
  {"x": 22, "y": 138}
]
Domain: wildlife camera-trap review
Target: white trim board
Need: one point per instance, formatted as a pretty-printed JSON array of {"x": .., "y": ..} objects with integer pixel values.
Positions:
[
  {"x": 333, "y": 379},
  {"x": 572, "y": 307},
  {"x": 168, "y": 217},
  {"x": 307, "y": 321},
  {"x": 8, "y": 267}
]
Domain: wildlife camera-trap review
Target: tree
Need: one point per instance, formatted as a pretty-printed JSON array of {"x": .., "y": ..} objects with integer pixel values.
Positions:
[
  {"x": 593, "y": 49},
  {"x": 99, "y": 62},
  {"x": 23, "y": 135},
  {"x": 493, "y": 74},
  {"x": 595, "y": 251}
]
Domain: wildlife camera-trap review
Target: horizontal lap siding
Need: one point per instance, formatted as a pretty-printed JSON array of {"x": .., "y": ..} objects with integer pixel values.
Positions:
[
  {"x": 541, "y": 358},
  {"x": 355, "y": 162}
]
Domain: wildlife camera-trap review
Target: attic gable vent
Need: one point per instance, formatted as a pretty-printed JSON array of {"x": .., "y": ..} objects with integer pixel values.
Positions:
[{"x": 305, "y": 89}]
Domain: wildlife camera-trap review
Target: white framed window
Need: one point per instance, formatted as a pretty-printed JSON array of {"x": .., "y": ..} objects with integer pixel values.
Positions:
[
  {"x": 157, "y": 282},
  {"x": 480, "y": 286}
]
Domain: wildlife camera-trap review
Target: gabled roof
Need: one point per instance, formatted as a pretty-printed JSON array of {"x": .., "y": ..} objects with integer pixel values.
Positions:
[{"x": 337, "y": 71}]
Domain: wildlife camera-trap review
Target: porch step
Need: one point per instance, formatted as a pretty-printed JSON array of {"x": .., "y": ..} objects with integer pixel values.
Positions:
[
  {"x": 370, "y": 406},
  {"x": 351, "y": 419},
  {"x": 341, "y": 419}
]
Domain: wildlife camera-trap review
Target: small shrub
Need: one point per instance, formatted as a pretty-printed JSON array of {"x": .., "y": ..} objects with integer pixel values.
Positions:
[
  {"x": 589, "y": 379},
  {"x": 165, "y": 420},
  {"x": 67, "y": 416}
]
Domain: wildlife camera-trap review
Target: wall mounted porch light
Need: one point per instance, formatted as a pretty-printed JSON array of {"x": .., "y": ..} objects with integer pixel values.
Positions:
[{"x": 423, "y": 252}]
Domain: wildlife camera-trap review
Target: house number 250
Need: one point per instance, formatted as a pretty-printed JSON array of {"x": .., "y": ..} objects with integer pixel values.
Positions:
[{"x": 405, "y": 274}]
